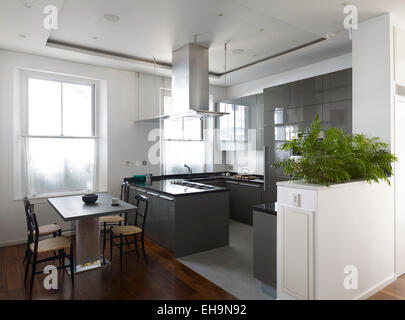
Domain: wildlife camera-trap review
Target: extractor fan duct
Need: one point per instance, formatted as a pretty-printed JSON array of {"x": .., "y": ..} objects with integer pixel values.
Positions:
[{"x": 190, "y": 85}]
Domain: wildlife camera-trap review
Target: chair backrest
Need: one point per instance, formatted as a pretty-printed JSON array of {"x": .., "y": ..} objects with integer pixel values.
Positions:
[
  {"x": 142, "y": 203},
  {"x": 32, "y": 223},
  {"x": 125, "y": 191},
  {"x": 27, "y": 205}
]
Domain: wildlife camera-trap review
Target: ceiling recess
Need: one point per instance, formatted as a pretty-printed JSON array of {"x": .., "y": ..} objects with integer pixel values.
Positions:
[{"x": 167, "y": 65}]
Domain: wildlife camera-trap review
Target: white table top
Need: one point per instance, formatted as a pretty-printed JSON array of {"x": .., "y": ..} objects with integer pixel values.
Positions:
[{"x": 73, "y": 208}]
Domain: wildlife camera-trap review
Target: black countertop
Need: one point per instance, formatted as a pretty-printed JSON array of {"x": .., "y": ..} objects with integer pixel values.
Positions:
[
  {"x": 166, "y": 186},
  {"x": 164, "y": 183},
  {"x": 270, "y": 208}
]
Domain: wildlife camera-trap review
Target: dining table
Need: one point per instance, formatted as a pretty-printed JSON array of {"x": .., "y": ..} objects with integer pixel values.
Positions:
[{"x": 85, "y": 219}]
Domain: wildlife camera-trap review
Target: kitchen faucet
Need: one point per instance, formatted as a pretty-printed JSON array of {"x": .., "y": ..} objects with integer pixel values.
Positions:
[{"x": 189, "y": 169}]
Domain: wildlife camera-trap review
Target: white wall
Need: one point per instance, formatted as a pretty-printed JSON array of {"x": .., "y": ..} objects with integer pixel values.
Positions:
[
  {"x": 312, "y": 70},
  {"x": 126, "y": 141},
  {"x": 373, "y": 87}
]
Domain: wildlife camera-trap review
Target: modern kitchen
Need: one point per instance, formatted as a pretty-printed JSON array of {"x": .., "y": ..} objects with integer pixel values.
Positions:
[{"x": 161, "y": 151}]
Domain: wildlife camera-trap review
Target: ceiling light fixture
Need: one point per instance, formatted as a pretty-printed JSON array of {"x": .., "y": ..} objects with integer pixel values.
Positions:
[
  {"x": 220, "y": 14},
  {"x": 111, "y": 17},
  {"x": 95, "y": 38},
  {"x": 27, "y": 5},
  {"x": 261, "y": 30},
  {"x": 23, "y": 36},
  {"x": 238, "y": 51}
]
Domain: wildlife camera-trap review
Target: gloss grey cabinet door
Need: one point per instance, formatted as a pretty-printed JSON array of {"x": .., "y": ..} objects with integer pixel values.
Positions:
[
  {"x": 276, "y": 97},
  {"x": 307, "y": 92},
  {"x": 166, "y": 221}
]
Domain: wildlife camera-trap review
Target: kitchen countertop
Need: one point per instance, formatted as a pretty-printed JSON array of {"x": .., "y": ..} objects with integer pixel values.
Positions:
[
  {"x": 270, "y": 208},
  {"x": 163, "y": 183},
  {"x": 165, "y": 186}
]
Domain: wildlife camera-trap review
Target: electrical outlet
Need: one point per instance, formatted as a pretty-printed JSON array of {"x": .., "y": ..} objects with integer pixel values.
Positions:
[
  {"x": 138, "y": 163},
  {"x": 129, "y": 163},
  {"x": 144, "y": 162},
  {"x": 295, "y": 199}
]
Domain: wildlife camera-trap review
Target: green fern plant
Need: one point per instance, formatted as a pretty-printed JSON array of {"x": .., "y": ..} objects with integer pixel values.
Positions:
[{"x": 337, "y": 157}]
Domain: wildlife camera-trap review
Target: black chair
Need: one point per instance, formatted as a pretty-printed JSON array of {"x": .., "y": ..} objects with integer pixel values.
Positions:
[
  {"x": 46, "y": 230},
  {"x": 126, "y": 231},
  {"x": 114, "y": 220},
  {"x": 57, "y": 244}
]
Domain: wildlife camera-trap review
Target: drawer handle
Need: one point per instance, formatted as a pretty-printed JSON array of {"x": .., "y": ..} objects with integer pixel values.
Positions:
[
  {"x": 166, "y": 198},
  {"x": 231, "y": 182},
  {"x": 153, "y": 194},
  {"x": 249, "y": 185}
]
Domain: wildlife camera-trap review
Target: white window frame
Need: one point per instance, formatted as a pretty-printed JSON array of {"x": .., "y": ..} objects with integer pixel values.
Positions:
[
  {"x": 168, "y": 93},
  {"x": 23, "y": 113}
]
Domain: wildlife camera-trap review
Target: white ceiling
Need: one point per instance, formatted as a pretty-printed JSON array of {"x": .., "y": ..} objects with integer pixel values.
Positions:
[{"x": 153, "y": 28}]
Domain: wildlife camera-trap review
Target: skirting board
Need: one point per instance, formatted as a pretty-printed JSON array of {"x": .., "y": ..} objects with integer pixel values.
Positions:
[{"x": 377, "y": 288}]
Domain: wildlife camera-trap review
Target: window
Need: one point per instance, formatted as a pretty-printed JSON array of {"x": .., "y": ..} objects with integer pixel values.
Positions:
[
  {"x": 232, "y": 133},
  {"x": 59, "y": 135},
  {"x": 182, "y": 141}
]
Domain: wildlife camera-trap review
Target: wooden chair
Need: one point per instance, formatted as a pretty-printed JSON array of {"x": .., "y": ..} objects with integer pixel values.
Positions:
[
  {"x": 57, "y": 244},
  {"x": 134, "y": 230},
  {"x": 46, "y": 230},
  {"x": 110, "y": 221}
]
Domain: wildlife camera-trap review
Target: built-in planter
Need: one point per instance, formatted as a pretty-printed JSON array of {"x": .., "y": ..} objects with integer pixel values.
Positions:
[{"x": 325, "y": 235}]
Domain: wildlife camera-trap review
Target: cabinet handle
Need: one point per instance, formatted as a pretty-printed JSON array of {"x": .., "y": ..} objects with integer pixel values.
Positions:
[
  {"x": 166, "y": 198},
  {"x": 231, "y": 182},
  {"x": 153, "y": 194},
  {"x": 250, "y": 185}
]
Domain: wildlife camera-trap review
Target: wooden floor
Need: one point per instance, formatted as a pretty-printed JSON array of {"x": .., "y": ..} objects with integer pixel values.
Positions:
[
  {"x": 395, "y": 291},
  {"x": 163, "y": 278}
]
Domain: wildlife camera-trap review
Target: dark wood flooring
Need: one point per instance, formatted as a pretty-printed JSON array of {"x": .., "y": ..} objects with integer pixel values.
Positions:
[{"x": 163, "y": 278}]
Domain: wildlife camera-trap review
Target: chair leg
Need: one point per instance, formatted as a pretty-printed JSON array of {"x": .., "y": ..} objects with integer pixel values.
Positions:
[
  {"x": 111, "y": 244},
  {"x": 104, "y": 239},
  {"x": 34, "y": 264},
  {"x": 121, "y": 245},
  {"x": 136, "y": 246},
  {"x": 27, "y": 250},
  {"x": 62, "y": 260},
  {"x": 143, "y": 248},
  {"x": 72, "y": 267},
  {"x": 27, "y": 266},
  {"x": 127, "y": 242}
]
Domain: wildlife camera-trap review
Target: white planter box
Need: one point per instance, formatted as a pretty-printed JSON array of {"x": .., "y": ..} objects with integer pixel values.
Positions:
[{"x": 323, "y": 230}]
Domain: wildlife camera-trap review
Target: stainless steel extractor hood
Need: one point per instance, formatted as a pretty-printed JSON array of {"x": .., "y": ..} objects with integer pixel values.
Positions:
[{"x": 190, "y": 85}]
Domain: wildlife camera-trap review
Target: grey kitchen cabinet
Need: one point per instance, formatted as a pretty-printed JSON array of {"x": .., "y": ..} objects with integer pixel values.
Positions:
[
  {"x": 306, "y": 92},
  {"x": 166, "y": 221},
  {"x": 265, "y": 248},
  {"x": 277, "y": 97},
  {"x": 243, "y": 196}
]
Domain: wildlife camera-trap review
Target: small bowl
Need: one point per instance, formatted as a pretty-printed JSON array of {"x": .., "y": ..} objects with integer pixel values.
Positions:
[{"x": 90, "y": 198}]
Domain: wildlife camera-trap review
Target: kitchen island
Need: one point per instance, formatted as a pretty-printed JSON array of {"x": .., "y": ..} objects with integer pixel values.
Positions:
[{"x": 186, "y": 218}]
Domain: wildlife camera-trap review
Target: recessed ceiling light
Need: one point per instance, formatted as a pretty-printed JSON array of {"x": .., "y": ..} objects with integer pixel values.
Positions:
[
  {"x": 27, "y": 5},
  {"x": 95, "y": 38},
  {"x": 261, "y": 30},
  {"x": 23, "y": 36},
  {"x": 111, "y": 17},
  {"x": 238, "y": 51},
  {"x": 220, "y": 14}
]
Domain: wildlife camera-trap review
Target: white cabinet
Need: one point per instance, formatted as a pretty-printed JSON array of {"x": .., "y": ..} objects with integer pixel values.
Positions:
[
  {"x": 400, "y": 57},
  {"x": 149, "y": 96},
  {"x": 295, "y": 234}
]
